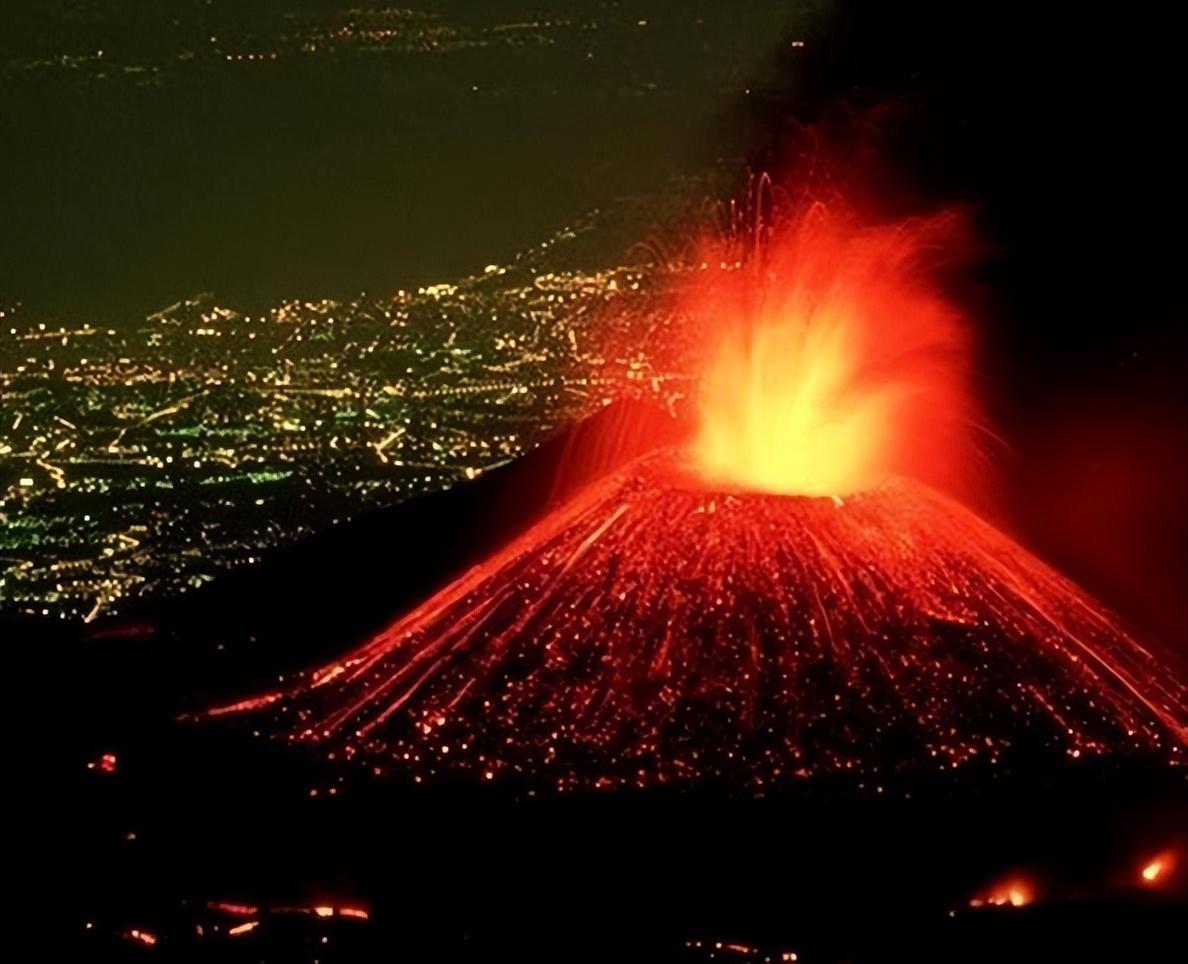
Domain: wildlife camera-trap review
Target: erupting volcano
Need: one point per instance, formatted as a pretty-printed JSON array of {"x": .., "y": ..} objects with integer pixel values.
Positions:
[{"x": 781, "y": 598}]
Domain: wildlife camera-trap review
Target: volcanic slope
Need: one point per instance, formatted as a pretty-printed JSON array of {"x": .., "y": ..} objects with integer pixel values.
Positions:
[{"x": 658, "y": 630}]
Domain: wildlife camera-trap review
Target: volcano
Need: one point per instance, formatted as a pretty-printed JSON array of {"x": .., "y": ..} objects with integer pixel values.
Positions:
[
  {"x": 659, "y": 629},
  {"x": 781, "y": 596}
]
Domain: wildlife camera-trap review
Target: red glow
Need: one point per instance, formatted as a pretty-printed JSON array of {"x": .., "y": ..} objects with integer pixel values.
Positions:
[
  {"x": 244, "y": 928},
  {"x": 654, "y": 630},
  {"x": 144, "y": 937},
  {"x": 1156, "y": 871},
  {"x": 1013, "y": 892},
  {"x": 324, "y": 910},
  {"x": 105, "y": 764},
  {"x": 784, "y": 596},
  {"x": 835, "y": 362},
  {"x": 235, "y": 910}
]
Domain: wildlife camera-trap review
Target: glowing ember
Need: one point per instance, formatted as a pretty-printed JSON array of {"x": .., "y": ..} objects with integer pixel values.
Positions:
[
  {"x": 658, "y": 630},
  {"x": 245, "y": 928},
  {"x": 143, "y": 937},
  {"x": 105, "y": 764},
  {"x": 715, "y": 949},
  {"x": 836, "y": 364},
  {"x": 1157, "y": 870},
  {"x": 1014, "y": 892},
  {"x": 705, "y": 614},
  {"x": 235, "y": 910}
]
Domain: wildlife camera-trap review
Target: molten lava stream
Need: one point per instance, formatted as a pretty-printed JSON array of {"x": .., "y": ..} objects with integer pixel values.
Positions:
[{"x": 657, "y": 630}]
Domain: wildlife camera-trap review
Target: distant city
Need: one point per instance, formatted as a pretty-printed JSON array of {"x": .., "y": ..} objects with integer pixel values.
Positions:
[
  {"x": 143, "y": 44},
  {"x": 142, "y": 460},
  {"x": 266, "y": 150},
  {"x": 270, "y": 35}
]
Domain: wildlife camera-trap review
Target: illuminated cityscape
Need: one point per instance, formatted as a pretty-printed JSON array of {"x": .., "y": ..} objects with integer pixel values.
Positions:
[
  {"x": 143, "y": 461},
  {"x": 144, "y": 449},
  {"x": 228, "y": 34}
]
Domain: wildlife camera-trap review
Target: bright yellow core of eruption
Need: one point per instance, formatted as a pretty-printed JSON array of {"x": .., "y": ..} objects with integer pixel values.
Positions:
[
  {"x": 836, "y": 364},
  {"x": 781, "y": 413}
]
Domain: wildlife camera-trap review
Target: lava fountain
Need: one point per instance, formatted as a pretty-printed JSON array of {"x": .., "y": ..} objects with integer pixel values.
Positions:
[
  {"x": 834, "y": 360},
  {"x": 783, "y": 597}
]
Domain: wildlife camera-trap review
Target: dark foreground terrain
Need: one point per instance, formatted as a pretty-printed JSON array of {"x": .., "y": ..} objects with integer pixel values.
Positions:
[{"x": 218, "y": 848}]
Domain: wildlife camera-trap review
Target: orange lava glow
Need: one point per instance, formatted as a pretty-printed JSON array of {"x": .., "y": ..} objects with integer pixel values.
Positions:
[
  {"x": 1012, "y": 892},
  {"x": 835, "y": 362},
  {"x": 655, "y": 631},
  {"x": 245, "y": 928},
  {"x": 236, "y": 910},
  {"x": 1156, "y": 871},
  {"x": 793, "y": 593}
]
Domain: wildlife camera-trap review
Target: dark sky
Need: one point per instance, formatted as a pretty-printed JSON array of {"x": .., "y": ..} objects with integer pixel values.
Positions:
[
  {"x": 164, "y": 170},
  {"x": 1065, "y": 129}
]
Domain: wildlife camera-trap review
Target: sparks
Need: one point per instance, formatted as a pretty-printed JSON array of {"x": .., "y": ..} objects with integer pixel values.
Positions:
[
  {"x": 245, "y": 928},
  {"x": 832, "y": 359},
  {"x": 656, "y": 629},
  {"x": 784, "y": 596}
]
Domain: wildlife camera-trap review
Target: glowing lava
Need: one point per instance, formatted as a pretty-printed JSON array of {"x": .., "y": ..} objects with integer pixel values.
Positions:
[
  {"x": 658, "y": 630},
  {"x": 1159, "y": 868},
  {"x": 1014, "y": 892},
  {"x": 775, "y": 602},
  {"x": 835, "y": 361}
]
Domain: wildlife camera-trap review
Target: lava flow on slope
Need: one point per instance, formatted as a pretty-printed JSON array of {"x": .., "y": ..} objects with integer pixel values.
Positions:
[
  {"x": 658, "y": 630},
  {"x": 779, "y": 599}
]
